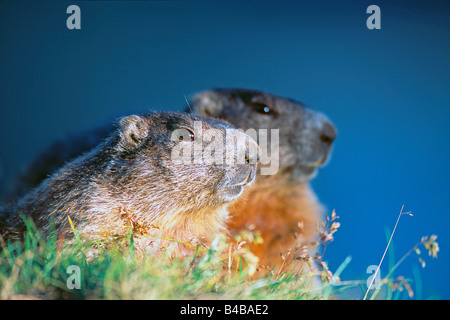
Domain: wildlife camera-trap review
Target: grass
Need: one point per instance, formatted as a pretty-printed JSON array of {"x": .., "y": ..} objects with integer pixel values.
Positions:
[
  {"x": 400, "y": 284},
  {"x": 38, "y": 269},
  {"x": 43, "y": 268},
  {"x": 385, "y": 251}
]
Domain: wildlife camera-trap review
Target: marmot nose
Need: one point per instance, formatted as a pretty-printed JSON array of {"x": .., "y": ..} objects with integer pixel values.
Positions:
[{"x": 328, "y": 133}]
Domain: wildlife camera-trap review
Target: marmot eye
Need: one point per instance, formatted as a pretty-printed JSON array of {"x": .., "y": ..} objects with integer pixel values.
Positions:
[
  {"x": 189, "y": 136},
  {"x": 262, "y": 108}
]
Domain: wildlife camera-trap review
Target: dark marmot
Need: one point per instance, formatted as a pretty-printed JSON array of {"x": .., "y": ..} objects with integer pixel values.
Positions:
[
  {"x": 281, "y": 206},
  {"x": 131, "y": 180}
]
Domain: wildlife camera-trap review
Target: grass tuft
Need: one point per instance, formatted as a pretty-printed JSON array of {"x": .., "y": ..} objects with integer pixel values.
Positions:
[{"x": 41, "y": 268}]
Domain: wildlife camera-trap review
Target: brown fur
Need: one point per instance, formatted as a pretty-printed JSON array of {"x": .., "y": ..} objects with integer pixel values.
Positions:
[
  {"x": 131, "y": 182},
  {"x": 281, "y": 207},
  {"x": 285, "y": 217}
]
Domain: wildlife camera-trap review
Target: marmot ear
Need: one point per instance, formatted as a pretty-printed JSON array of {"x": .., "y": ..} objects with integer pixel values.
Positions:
[
  {"x": 133, "y": 130},
  {"x": 207, "y": 104}
]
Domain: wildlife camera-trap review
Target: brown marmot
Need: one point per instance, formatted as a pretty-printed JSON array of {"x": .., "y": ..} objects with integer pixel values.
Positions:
[
  {"x": 132, "y": 180},
  {"x": 281, "y": 206}
]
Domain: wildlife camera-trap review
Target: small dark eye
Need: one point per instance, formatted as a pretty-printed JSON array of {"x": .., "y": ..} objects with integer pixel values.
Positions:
[
  {"x": 262, "y": 108},
  {"x": 189, "y": 136}
]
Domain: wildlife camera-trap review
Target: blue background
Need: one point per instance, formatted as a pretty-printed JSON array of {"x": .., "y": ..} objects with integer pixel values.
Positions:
[{"x": 387, "y": 91}]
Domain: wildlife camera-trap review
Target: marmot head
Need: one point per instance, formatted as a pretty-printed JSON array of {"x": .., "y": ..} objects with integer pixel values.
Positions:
[
  {"x": 170, "y": 159},
  {"x": 305, "y": 136}
]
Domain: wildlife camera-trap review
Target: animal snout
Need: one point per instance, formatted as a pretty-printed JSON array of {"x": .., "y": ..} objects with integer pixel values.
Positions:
[
  {"x": 245, "y": 172},
  {"x": 320, "y": 142},
  {"x": 328, "y": 133}
]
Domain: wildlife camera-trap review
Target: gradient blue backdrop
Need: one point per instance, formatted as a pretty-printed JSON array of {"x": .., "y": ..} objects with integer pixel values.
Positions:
[{"x": 386, "y": 90}]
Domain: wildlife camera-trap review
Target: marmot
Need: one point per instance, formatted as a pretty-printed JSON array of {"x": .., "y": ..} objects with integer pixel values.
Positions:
[
  {"x": 282, "y": 206},
  {"x": 132, "y": 180}
]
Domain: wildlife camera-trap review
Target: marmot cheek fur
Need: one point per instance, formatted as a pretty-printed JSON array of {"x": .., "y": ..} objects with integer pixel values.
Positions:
[{"x": 131, "y": 180}]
